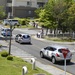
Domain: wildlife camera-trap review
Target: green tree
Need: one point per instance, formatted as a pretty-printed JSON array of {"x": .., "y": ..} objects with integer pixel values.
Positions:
[
  {"x": 71, "y": 18},
  {"x": 55, "y": 15}
]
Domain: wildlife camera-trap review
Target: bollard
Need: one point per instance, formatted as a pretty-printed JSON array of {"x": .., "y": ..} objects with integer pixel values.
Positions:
[
  {"x": 33, "y": 63},
  {"x": 24, "y": 70}
]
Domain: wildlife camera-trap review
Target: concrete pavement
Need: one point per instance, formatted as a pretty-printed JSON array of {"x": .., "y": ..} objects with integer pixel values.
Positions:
[{"x": 27, "y": 57}]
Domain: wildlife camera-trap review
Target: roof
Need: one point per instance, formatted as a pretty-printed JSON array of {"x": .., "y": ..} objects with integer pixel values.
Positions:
[
  {"x": 58, "y": 46},
  {"x": 25, "y": 34}
]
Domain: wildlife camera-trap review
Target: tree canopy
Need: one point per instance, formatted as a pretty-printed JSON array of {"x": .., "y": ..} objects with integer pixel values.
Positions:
[
  {"x": 2, "y": 12},
  {"x": 58, "y": 14}
]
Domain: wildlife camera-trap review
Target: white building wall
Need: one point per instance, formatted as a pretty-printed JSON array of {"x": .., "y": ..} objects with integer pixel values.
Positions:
[{"x": 18, "y": 3}]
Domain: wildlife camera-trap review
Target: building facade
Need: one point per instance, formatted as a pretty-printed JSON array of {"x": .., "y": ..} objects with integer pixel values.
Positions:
[{"x": 22, "y": 8}]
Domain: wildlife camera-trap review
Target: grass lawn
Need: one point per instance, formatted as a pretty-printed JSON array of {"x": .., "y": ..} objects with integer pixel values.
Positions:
[
  {"x": 59, "y": 39},
  {"x": 14, "y": 67},
  {"x": 22, "y": 26}
]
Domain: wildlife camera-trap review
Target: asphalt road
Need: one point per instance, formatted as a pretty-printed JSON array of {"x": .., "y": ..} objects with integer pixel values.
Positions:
[{"x": 34, "y": 50}]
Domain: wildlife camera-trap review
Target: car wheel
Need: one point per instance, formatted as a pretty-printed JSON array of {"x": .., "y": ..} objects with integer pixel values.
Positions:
[
  {"x": 20, "y": 42},
  {"x": 15, "y": 40},
  {"x": 41, "y": 55},
  {"x": 53, "y": 60}
]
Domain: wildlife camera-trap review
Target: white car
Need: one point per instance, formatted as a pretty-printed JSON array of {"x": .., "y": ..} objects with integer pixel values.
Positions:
[
  {"x": 12, "y": 21},
  {"x": 54, "y": 52},
  {"x": 23, "y": 38}
]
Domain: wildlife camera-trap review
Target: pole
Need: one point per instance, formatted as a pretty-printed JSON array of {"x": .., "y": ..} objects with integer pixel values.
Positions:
[
  {"x": 65, "y": 66},
  {"x": 10, "y": 38}
]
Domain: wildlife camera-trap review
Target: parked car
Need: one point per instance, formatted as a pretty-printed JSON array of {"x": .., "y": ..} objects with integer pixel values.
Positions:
[
  {"x": 13, "y": 22},
  {"x": 23, "y": 38},
  {"x": 5, "y": 31},
  {"x": 54, "y": 52}
]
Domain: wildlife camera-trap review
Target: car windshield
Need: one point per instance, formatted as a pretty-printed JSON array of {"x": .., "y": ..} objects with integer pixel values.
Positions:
[
  {"x": 15, "y": 20},
  {"x": 8, "y": 29},
  {"x": 5, "y": 29}
]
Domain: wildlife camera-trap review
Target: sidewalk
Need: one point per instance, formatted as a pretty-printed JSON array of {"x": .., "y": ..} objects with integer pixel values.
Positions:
[{"x": 27, "y": 57}]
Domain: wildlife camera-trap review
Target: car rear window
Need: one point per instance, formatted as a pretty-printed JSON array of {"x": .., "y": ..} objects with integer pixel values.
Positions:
[
  {"x": 60, "y": 50},
  {"x": 26, "y": 36}
]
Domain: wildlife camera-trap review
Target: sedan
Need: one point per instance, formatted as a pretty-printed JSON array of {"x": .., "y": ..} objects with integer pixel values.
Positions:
[
  {"x": 23, "y": 38},
  {"x": 55, "y": 53},
  {"x": 5, "y": 31}
]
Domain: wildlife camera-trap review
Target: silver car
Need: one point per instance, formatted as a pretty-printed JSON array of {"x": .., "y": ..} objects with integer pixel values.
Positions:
[
  {"x": 5, "y": 31},
  {"x": 54, "y": 52},
  {"x": 23, "y": 38}
]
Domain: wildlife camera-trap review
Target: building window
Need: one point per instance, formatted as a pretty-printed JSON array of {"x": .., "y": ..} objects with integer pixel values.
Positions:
[
  {"x": 40, "y": 4},
  {"x": 9, "y": 1},
  {"x": 29, "y": 12},
  {"x": 29, "y": 3}
]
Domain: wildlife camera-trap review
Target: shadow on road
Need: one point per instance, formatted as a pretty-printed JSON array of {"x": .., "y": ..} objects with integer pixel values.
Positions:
[
  {"x": 6, "y": 39},
  {"x": 61, "y": 63},
  {"x": 26, "y": 43}
]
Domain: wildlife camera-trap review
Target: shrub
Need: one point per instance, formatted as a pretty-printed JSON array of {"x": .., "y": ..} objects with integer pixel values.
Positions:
[
  {"x": 0, "y": 45},
  {"x": 9, "y": 57},
  {"x": 4, "y": 54}
]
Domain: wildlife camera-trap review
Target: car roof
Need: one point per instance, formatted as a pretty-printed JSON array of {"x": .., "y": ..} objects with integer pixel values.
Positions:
[
  {"x": 5, "y": 28},
  {"x": 24, "y": 34},
  {"x": 58, "y": 46}
]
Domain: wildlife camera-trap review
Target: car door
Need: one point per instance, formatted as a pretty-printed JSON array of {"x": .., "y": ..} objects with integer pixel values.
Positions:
[
  {"x": 16, "y": 38},
  {"x": 49, "y": 52},
  {"x": 19, "y": 38}
]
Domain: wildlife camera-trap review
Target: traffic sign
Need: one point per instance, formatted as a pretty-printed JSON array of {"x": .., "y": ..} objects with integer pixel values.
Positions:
[{"x": 65, "y": 52}]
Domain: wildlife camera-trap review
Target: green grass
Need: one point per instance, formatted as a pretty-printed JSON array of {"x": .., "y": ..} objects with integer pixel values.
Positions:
[
  {"x": 59, "y": 39},
  {"x": 26, "y": 26},
  {"x": 22, "y": 26},
  {"x": 14, "y": 67}
]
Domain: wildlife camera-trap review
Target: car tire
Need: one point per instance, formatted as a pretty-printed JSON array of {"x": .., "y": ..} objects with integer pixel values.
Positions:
[
  {"x": 15, "y": 40},
  {"x": 53, "y": 60},
  {"x": 20, "y": 42},
  {"x": 41, "y": 55}
]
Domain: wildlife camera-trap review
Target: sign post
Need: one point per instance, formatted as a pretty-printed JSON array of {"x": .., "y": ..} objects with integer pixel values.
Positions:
[{"x": 65, "y": 52}]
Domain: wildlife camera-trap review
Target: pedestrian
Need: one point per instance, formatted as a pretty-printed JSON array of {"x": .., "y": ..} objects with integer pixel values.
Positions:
[
  {"x": 33, "y": 24},
  {"x": 39, "y": 34}
]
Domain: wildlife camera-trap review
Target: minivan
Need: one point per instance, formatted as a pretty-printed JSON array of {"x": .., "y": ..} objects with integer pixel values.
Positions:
[{"x": 10, "y": 21}]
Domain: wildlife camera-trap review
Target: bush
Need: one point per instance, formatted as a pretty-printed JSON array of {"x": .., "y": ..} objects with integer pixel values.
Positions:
[
  {"x": 9, "y": 57},
  {"x": 23, "y": 22},
  {"x": 0, "y": 45},
  {"x": 4, "y": 54}
]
